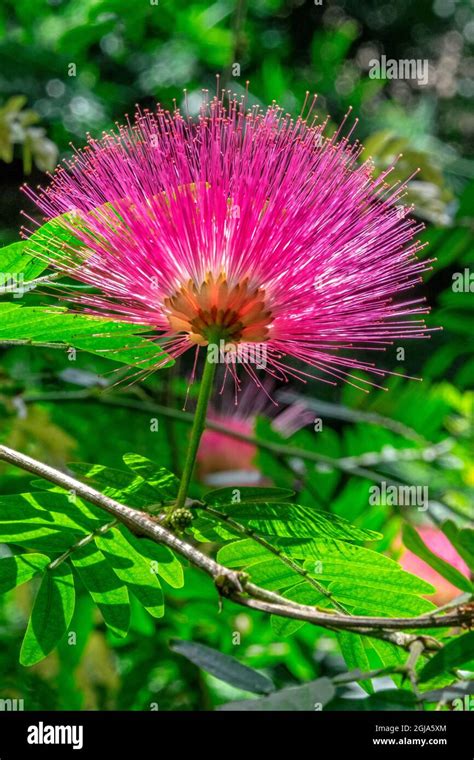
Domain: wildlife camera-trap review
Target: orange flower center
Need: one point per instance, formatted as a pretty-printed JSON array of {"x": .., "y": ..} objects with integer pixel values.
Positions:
[{"x": 213, "y": 311}]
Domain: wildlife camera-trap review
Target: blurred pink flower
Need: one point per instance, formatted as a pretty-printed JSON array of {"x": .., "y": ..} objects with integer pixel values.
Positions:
[
  {"x": 248, "y": 227},
  {"x": 224, "y": 460}
]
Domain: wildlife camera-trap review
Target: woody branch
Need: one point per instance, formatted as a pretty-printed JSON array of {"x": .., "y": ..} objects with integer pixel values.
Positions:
[{"x": 236, "y": 586}]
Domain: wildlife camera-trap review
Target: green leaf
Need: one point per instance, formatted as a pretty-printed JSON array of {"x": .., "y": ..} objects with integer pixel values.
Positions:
[
  {"x": 204, "y": 529},
  {"x": 462, "y": 539},
  {"x": 415, "y": 544},
  {"x": 329, "y": 548},
  {"x": 162, "y": 480},
  {"x": 382, "y": 590},
  {"x": 466, "y": 546},
  {"x": 364, "y": 576},
  {"x": 21, "y": 568},
  {"x": 389, "y": 653},
  {"x": 107, "y": 591},
  {"x": 273, "y": 574},
  {"x": 458, "y": 653},
  {"x": 242, "y": 553},
  {"x": 57, "y": 509},
  {"x": 15, "y": 260},
  {"x": 242, "y": 494},
  {"x": 328, "y": 559},
  {"x": 306, "y": 698},
  {"x": 378, "y": 577},
  {"x": 52, "y": 612},
  {"x": 133, "y": 569},
  {"x": 379, "y": 601},
  {"x": 53, "y": 237},
  {"x": 292, "y": 520},
  {"x": 113, "y": 340},
  {"x": 303, "y": 594},
  {"x": 160, "y": 559},
  {"x": 120, "y": 484},
  {"x": 39, "y": 536},
  {"x": 46, "y": 520},
  {"x": 224, "y": 667},
  {"x": 354, "y": 649},
  {"x": 70, "y": 654}
]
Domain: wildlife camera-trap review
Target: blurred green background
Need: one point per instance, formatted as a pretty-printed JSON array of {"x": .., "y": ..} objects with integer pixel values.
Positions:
[{"x": 74, "y": 66}]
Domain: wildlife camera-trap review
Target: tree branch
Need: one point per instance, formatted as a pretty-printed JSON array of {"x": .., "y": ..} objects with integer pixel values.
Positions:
[
  {"x": 278, "y": 449},
  {"x": 281, "y": 452},
  {"x": 234, "y": 585},
  {"x": 136, "y": 521},
  {"x": 276, "y": 552}
]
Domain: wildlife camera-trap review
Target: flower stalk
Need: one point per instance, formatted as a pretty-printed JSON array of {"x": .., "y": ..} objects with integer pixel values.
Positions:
[{"x": 205, "y": 390}]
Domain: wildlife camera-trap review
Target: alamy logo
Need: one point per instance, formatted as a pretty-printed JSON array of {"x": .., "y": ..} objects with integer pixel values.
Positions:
[
  {"x": 238, "y": 353},
  {"x": 15, "y": 284},
  {"x": 406, "y": 68},
  {"x": 463, "y": 282},
  {"x": 463, "y": 703},
  {"x": 12, "y": 705},
  {"x": 399, "y": 496},
  {"x": 45, "y": 734}
]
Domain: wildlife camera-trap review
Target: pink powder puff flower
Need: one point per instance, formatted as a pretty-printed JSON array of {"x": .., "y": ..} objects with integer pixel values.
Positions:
[{"x": 244, "y": 228}]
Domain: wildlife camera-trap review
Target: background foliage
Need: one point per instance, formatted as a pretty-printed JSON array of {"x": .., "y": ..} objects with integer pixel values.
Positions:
[{"x": 72, "y": 66}]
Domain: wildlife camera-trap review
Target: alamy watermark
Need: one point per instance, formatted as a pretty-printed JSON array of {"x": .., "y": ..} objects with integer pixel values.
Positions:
[
  {"x": 14, "y": 283},
  {"x": 463, "y": 282},
  {"x": 463, "y": 703},
  {"x": 42, "y": 733},
  {"x": 416, "y": 69},
  {"x": 226, "y": 352},
  {"x": 12, "y": 705},
  {"x": 399, "y": 496}
]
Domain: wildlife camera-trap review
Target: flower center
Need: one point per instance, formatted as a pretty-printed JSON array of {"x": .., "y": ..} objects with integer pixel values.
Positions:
[{"x": 215, "y": 311}]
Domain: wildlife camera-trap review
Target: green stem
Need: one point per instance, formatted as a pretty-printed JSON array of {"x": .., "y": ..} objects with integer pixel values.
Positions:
[
  {"x": 197, "y": 429},
  {"x": 80, "y": 544}
]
